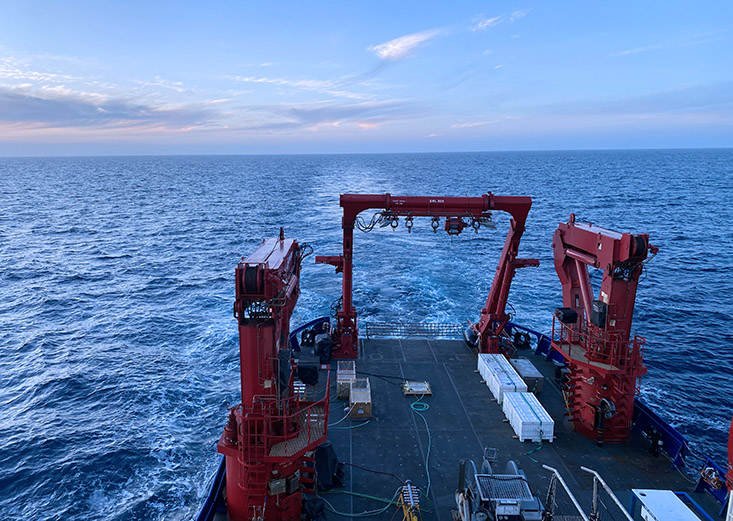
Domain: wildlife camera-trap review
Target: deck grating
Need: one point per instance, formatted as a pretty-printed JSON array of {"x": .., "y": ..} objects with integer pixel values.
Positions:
[{"x": 316, "y": 418}]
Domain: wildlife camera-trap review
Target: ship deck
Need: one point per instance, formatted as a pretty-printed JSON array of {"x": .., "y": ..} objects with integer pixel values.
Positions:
[{"x": 462, "y": 419}]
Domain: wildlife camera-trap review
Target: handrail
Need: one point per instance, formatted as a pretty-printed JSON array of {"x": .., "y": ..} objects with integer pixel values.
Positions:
[
  {"x": 412, "y": 329},
  {"x": 567, "y": 490},
  {"x": 269, "y": 408},
  {"x": 608, "y": 490},
  {"x": 612, "y": 348}
]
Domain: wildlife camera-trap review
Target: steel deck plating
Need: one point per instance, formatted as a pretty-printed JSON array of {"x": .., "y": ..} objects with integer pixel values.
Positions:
[{"x": 463, "y": 419}]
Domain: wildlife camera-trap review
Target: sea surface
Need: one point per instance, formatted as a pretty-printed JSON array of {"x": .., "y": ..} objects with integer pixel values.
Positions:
[{"x": 118, "y": 350}]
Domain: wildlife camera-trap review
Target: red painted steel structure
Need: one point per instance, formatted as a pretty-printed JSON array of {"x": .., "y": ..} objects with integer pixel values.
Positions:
[
  {"x": 455, "y": 210},
  {"x": 605, "y": 362},
  {"x": 268, "y": 438}
]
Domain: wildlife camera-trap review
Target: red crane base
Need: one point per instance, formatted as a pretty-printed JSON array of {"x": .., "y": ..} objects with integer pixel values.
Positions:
[
  {"x": 604, "y": 370},
  {"x": 587, "y": 386}
]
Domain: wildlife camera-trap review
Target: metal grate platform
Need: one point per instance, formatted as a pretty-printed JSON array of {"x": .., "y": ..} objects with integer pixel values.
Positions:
[
  {"x": 314, "y": 417},
  {"x": 502, "y": 486},
  {"x": 411, "y": 329}
]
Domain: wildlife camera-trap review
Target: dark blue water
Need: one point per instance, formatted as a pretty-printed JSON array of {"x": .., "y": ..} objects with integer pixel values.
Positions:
[{"x": 118, "y": 350}]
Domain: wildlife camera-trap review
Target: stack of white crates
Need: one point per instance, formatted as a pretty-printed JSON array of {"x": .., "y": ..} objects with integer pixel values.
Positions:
[
  {"x": 499, "y": 375},
  {"x": 527, "y": 417}
]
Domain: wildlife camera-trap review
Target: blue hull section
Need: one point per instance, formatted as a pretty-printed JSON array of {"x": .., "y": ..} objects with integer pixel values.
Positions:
[{"x": 214, "y": 500}]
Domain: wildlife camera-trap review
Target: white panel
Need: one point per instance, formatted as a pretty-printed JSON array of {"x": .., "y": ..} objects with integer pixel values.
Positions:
[
  {"x": 527, "y": 417},
  {"x": 499, "y": 375},
  {"x": 663, "y": 505}
]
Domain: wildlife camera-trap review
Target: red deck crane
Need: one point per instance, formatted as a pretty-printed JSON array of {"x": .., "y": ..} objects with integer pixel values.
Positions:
[
  {"x": 459, "y": 213},
  {"x": 268, "y": 437},
  {"x": 593, "y": 335}
]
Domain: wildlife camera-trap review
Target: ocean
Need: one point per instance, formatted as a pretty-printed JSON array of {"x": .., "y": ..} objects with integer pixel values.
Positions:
[{"x": 118, "y": 350}]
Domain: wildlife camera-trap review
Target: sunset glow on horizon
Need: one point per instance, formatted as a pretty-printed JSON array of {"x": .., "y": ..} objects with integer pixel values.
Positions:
[{"x": 87, "y": 78}]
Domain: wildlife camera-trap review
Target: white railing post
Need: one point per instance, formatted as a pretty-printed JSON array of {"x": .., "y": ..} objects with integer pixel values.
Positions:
[
  {"x": 567, "y": 491},
  {"x": 608, "y": 490}
]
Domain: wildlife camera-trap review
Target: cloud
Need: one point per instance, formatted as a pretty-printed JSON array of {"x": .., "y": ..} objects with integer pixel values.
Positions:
[
  {"x": 485, "y": 23},
  {"x": 521, "y": 13},
  {"x": 59, "y": 107},
  {"x": 324, "y": 86},
  {"x": 402, "y": 47},
  {"x": 716, "y": 98},
  {"x": 176, "y": 86},
  {"x": 482, "y": 22},
  {"x": 695, "y": 39},
  {"x": 637, "y": 50},
  {"x": 13, "y": 69},
  {"x": 471, "y": 124},
  {"x": 363, "y": 115}
]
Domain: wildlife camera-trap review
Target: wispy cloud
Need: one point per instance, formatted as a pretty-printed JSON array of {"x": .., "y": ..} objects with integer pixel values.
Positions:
[
  {"x": 402, "y": 47},
  {"x": 484, "y": 23},
  {"x": 637, "y": 50},
  {"x": 471, "y": 124},
  {"x": 521, "y": 13},
  {"x": 317, "y": 116},
  {"x": 695, "y": 39},
  {"x": 331, "y": 87},
  {"x": 715, "y": 98},
  {"x": 13, "y": 69},
  {"x": 176, "y": 86},
  {"x": 63, "y": 108}
]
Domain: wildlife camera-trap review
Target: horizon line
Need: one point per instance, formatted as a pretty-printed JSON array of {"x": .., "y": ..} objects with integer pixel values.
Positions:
[{"x": 647, "y": 149}]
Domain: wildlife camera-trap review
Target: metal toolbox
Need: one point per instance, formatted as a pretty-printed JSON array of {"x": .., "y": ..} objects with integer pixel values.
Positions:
[{"x": 529, "y": 373}]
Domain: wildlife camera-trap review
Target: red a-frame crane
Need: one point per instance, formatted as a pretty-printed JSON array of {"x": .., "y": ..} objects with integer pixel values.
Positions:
[{"x": 459, "y": 212}]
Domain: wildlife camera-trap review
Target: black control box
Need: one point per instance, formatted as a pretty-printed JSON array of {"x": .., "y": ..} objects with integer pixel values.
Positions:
[
  {"x": 566, "y": 315},
  {"x": 599, "y": 313}
]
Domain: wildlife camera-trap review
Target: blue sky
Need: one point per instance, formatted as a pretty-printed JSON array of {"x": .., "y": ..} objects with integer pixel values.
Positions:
[{"x": 351, "y": 76}]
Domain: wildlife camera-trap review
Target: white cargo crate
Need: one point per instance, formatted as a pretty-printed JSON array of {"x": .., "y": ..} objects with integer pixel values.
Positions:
[
  {"x": 360, "y": 398},
  {"x": 527, "y": 417},
  {"x": 345, "y": 374},
  {"x": 499, "y": 375}
]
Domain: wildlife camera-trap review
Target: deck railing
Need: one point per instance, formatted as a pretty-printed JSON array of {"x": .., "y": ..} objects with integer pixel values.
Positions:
[
  {"x": 600, "y": 346},
  {"x": 297, "y": 422},
  {"x": 411, "y": 329}
]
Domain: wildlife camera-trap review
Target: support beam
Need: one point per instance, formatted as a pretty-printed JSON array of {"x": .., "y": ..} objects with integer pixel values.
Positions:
[{"x": 474, "y": 209}]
